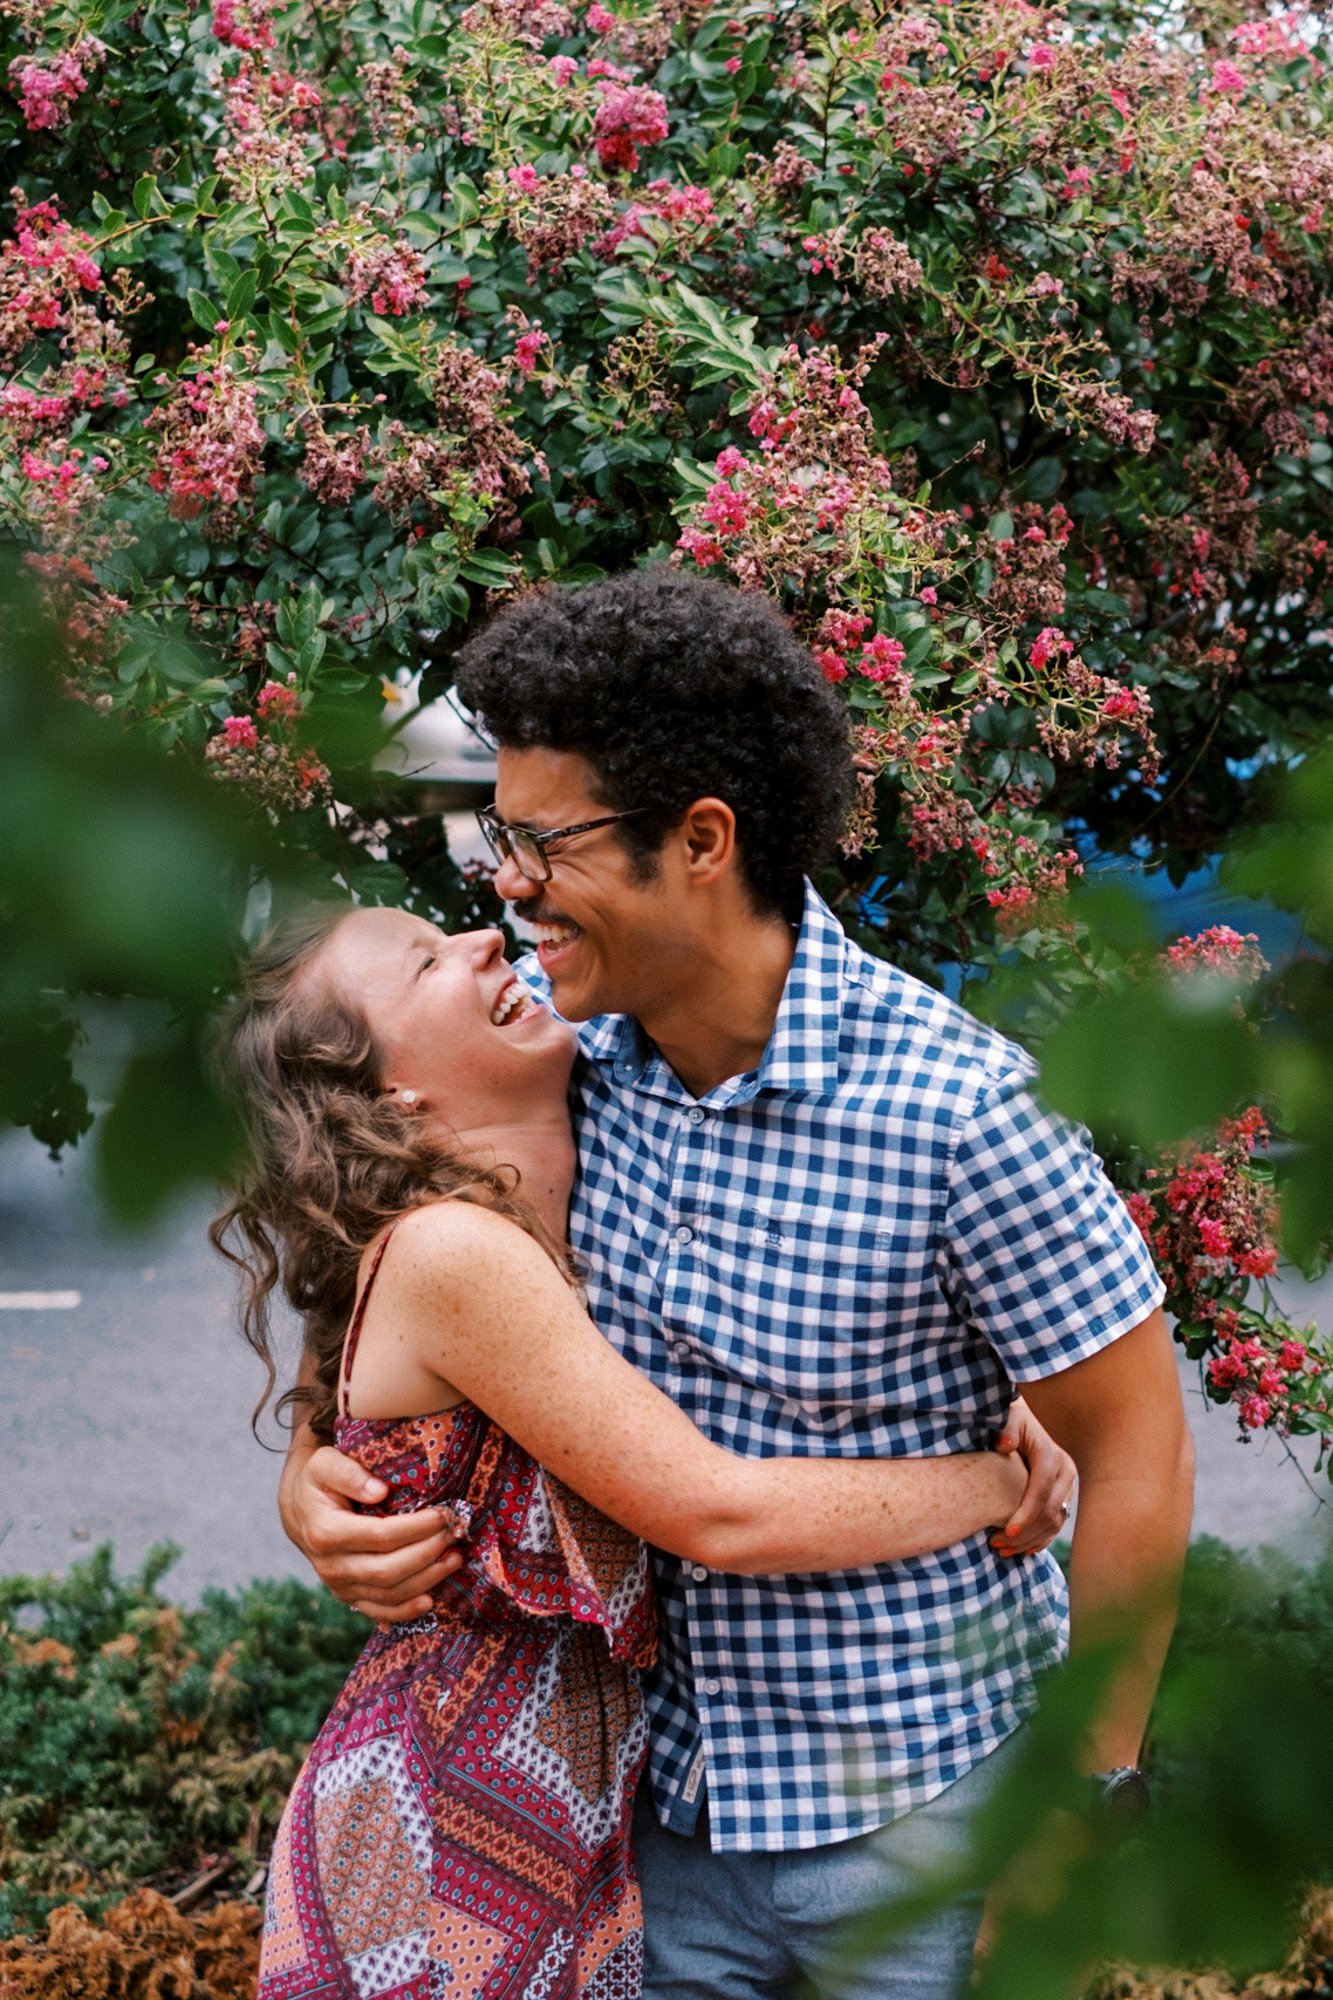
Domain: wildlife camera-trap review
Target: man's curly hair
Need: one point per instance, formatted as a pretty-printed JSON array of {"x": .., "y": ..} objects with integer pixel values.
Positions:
[{"x": 675, "y": 688}]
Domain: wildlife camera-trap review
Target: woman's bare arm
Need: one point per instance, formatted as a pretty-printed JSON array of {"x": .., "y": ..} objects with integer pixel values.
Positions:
[{"x": 488, "y": 1315}]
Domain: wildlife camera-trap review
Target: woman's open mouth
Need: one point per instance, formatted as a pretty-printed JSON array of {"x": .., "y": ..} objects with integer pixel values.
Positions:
[{"x": 515, "y": 1004}]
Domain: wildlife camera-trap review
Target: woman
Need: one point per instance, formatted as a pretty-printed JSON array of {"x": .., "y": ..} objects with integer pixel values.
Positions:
[{"x": 462, "y": 1822}]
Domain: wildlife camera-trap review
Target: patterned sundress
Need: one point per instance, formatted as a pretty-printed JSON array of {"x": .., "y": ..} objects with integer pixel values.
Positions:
[{"x": 461, "y": 1827}]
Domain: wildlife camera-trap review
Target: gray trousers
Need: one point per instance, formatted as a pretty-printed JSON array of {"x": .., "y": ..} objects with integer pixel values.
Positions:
[{"x": 760, "y": 1926}]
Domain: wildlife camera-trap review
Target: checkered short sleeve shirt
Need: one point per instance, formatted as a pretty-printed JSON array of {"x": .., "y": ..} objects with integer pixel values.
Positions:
[{"x": 856, "y": 1250}]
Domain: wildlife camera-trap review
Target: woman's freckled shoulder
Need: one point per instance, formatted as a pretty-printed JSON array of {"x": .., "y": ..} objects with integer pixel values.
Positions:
[{"x": 458, "y": 1237}]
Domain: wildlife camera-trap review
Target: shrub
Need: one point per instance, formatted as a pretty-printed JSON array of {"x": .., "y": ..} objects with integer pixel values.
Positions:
[{"x": 138, "y": 1739}]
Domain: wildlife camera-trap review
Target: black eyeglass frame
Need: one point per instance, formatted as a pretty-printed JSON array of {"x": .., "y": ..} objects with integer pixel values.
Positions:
[{"x": 499, "y": 836}]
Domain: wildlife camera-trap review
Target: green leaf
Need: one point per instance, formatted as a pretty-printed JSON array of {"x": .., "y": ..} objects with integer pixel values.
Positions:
[
  {"x": 147, "y": 201},
  {"x": 167, "y": 1125},
  {"x": 1175, "y": 1072},
  {"x": 464, "y": 199},
  {"x": 489, "y": 567},
  {"x": 206, "y": 314},
  {"x": 241, "y": 295}
]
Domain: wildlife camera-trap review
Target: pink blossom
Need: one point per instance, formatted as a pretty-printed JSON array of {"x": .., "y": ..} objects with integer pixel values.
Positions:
[
  {"x": 600, "y": 19},
  {"x": 242, "y": 24},
  {"x": 1227, "y": 78},
  {"x": 705, "y": 549},
  {"x": 1218, "y": 949},
  {"x": 525, "y": 178},
  {"x": 276, "y": 702},
  {"x": 831, "y": 664},
  {"x": 47, "y": 89},
  {"x": 1292, "y": 1355},
  {"x": 1041, "y": 56},
  {"x": 1049, "y": 643},
  {"x": 881, "y": 657},
  {"x": 627, "y": 117},
  {"x": 1255, "y": 1412},
  {"x": 725, "y": 509},
  {"x": 1260, "y": 1262},
  {"x": 1124, "y": 705},
  {"x": 730, "y": 460},
  {"x": 1215, "y": 1241},
  {"x": 240, "y": 732},
  {"x": 930, "y": 595},
  {"x": 528, "y": 347},
  {"x": 562, "y": 68},
  {"x": 732, "y": 64},
  {"x": 391, "y": 275},
  {"x": 1226, "y": 1370}
]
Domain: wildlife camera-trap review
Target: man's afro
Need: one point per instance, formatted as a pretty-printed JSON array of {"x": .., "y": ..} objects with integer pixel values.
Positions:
[{"x": 675, "y": 688}]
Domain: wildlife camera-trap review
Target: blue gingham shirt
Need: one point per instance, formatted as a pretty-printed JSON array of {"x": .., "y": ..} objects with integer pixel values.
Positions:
[{"x": 856, "y": 1250}]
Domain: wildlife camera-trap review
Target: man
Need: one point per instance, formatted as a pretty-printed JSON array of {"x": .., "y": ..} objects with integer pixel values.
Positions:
[{"x": 818, "y": 1205}]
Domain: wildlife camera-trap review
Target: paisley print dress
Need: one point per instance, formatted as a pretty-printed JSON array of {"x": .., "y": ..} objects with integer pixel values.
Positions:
[{"x": 461, "y": 1827}]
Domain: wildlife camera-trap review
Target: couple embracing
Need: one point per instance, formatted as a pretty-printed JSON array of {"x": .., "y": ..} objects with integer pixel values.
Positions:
[{"x": 666, "y": 1301}]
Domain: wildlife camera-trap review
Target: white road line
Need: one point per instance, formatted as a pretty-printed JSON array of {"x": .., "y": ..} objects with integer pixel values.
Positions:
[{"x": 28, "y": 1302}]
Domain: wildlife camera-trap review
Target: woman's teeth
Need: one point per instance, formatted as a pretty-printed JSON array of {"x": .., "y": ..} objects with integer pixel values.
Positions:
[{"x": 514, "y": 1004}]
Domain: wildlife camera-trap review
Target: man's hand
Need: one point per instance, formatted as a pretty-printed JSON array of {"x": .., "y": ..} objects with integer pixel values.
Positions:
[
  {"x": 1048, "y": 1499},
  {"x": 383, "y": 1565}
]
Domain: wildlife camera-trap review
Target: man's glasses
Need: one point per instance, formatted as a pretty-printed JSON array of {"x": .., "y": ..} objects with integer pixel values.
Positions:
[{"x": 528, "y": 850}]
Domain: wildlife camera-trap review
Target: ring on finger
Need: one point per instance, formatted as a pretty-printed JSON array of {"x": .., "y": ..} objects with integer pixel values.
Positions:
[{"x": 1066, "y": 1509}]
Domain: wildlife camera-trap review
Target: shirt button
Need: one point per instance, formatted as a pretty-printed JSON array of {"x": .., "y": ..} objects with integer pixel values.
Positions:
[
  {"x": 695, "y": 1115},
  {"x": 698, "y": 1572},
  {"x": 712, "y": 1687},
  {"x": 679, "y": 1349},
  {"x": 684, "y": 1234}
]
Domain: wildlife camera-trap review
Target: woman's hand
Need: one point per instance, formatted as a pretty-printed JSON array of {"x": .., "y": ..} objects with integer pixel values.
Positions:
[
  {"x": 385, "y": 1566},
  {"x": 1043, "y": 1512}
]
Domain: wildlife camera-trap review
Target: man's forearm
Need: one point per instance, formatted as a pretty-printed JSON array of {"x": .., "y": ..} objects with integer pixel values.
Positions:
[
  {"x": 1124, "y": 1580},
  {"x": 1121, "y": 1416},
  {"x": 303, "y": 1442}
]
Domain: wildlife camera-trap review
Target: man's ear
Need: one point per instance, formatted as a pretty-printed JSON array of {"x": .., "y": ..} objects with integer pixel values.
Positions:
[{"x": 708, "y": 836}]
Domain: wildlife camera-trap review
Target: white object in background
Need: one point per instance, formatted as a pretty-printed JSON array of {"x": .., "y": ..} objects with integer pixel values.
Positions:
[
  {"x": 438, "y": 742},
  {"x": 28, "y": 1302}
]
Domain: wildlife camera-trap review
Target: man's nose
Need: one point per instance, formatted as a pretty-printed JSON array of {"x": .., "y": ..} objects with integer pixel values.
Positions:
[{"x": 513, "y": 885}]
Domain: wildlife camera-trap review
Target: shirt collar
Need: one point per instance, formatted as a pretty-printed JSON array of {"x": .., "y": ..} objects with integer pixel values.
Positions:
[{"x": 802, "y": 1052}]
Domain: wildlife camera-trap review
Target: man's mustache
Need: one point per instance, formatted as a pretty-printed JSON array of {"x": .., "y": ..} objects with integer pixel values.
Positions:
[{"x": 542, "y": 914}]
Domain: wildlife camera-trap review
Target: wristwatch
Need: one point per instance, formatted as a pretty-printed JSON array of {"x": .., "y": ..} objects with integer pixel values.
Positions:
[{"x": 1120, "y": 1798}]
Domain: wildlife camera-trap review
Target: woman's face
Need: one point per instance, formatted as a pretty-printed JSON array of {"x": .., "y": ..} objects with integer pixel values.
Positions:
[{"x": 450, "y": 1020}]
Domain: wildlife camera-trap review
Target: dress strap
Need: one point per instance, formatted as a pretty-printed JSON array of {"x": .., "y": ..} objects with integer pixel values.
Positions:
[{"x": 354, "y": 1330}]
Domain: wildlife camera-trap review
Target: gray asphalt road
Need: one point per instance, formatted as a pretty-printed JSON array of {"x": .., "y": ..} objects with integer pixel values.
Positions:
[{"x": 126, "y": 1417}]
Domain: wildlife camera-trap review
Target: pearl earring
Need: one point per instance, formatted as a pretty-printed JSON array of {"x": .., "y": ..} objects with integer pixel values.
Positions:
[{"x": 409, "y": 1096}]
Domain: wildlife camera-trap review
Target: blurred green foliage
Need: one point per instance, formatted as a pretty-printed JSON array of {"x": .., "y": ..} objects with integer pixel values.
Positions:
[{"x": 1241, "y": 1750}]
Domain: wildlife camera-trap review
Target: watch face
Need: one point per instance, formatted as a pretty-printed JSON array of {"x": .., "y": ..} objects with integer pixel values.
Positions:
[{"x": 1125, "y": 1799}]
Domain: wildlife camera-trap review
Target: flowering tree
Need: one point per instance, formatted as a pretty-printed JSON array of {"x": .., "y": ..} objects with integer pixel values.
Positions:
[{"x": 994, "y": 340}]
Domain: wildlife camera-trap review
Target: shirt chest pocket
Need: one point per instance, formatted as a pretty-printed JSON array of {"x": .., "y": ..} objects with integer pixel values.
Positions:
[{"x": 815, "y": 1301}]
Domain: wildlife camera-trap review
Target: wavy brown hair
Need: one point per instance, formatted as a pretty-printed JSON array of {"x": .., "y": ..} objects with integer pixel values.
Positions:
[{"x": 330, "y": 1158}]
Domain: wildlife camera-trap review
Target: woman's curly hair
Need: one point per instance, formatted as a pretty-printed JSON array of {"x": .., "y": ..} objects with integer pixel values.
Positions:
[
  {"x": 676, "y": 688},
  {"x": 330, "y": 1158}
]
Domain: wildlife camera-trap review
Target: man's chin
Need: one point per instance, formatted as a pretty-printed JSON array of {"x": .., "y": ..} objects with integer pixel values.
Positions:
[{"x": 577, "y": 1000}]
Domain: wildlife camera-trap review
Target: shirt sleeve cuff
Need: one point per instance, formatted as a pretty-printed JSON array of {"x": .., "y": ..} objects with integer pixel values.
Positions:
[{"x": 1076, "y": 1346}]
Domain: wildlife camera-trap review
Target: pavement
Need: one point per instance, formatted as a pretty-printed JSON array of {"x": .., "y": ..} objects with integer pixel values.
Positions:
[{"x": 126, "y": 1417}]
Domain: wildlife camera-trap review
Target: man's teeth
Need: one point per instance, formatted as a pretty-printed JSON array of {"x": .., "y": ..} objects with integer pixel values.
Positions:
[
  {"x": 555, "y": 933},
  {"x": 514, "y": 1004}
]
